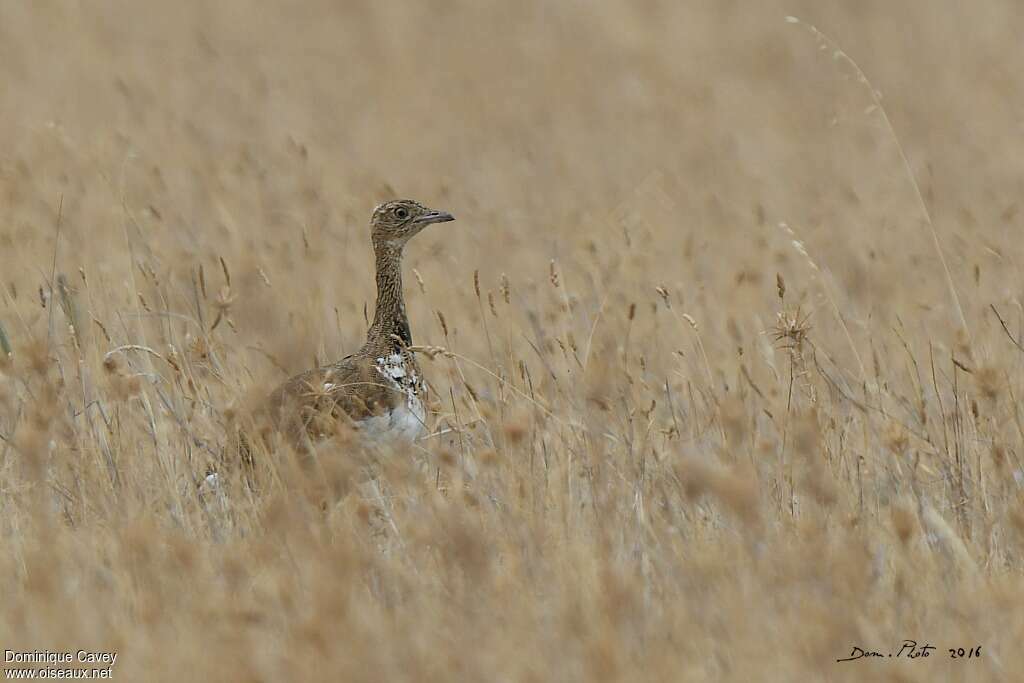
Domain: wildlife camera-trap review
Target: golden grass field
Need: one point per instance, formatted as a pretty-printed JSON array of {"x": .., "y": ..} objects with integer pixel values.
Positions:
[{"x": 719, "y": 335}]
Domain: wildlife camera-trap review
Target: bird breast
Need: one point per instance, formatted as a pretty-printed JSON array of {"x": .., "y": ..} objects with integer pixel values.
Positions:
[
  {"x": 401, "y": 372},
  {"x": 407, "y": 420}
]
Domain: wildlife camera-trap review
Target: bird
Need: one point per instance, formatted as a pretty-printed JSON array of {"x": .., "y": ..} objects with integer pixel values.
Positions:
[{"x": 379, "y": 390}]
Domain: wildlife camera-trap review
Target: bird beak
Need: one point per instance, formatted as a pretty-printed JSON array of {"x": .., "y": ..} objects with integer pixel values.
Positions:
[{"x": 434, "y": 217}]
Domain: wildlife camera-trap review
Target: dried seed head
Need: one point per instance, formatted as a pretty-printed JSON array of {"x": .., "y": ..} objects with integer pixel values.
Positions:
[
  {"x": 735, "y": 488},
  {"x": 202, "y": 281},
  {"x": 110, "y": 364},
  {"x": 198, "y": 350},
  {"x": 896, "y": 439},
  {"x": 224, "y": 299},
  {"x": 432, "y": 351},
  {"x": 791, "y": 329},
  {"x": 103, "y": 329},
  {"x": 988, "y": 382},
  {"x": 447, "y": 458},
  {"x": 516, "y": 431},
  {"x": 39, "y": 361},
  {"x": 227, "y": 274},
  {"x": 903, "y": 523},
  {"x": 999, "y": 457},
  {"x": 489, "y": 458},
  {"x": 506, "y": 289}
]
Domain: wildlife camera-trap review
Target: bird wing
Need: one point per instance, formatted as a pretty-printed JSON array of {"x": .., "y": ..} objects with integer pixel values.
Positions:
[{"x": 317, "y": 401}]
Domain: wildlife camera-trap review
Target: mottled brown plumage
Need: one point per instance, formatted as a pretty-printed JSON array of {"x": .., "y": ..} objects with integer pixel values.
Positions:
[{"x": 379, "y": 389}]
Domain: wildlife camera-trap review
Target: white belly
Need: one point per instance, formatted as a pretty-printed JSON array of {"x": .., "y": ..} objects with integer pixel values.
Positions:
[{"x": 406, "y": 422}]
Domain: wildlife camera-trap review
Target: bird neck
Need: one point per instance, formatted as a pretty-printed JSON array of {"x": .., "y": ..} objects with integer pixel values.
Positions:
[{"x": 389, "y": 318}]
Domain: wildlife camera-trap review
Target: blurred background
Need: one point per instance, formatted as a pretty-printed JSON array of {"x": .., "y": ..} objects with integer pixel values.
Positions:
[{"x": 248, "y": 131}]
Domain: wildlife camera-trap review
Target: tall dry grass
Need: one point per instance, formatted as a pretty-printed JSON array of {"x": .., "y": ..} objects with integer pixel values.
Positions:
[{"x": 732, "y": 354}]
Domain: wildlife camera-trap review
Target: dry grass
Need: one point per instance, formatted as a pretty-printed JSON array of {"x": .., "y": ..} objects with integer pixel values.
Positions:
[{"x": 722, "y": 410}]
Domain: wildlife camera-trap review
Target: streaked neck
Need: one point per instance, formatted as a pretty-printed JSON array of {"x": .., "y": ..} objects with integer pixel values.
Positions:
[{"x": 389, "y": 316}]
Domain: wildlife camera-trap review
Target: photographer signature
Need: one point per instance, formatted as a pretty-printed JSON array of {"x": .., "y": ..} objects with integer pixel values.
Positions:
[{"x": 910, "y": 649}]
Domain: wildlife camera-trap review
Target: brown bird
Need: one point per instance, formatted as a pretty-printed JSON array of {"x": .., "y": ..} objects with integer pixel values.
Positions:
[{"x": 379, "y": 389}]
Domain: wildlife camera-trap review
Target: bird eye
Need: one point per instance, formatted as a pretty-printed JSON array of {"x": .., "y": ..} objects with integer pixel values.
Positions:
[{"x": 401, "y": 213}]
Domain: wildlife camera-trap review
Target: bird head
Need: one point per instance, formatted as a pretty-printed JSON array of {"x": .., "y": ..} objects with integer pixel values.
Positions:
[{"x": 395, "y": 222}]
